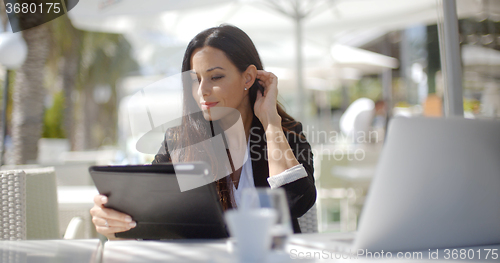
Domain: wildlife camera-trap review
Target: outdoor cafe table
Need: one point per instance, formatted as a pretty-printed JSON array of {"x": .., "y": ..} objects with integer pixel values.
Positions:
[
  {"x": 219, "y": 251},
  {"x": 90, "y": 251},
  {"x": 180, "y": 251}
]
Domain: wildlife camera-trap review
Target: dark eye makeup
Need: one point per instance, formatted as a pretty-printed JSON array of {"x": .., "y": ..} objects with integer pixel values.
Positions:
[
  {"x": 214, "y": 78},
  {"x": 217, "y": 77}
]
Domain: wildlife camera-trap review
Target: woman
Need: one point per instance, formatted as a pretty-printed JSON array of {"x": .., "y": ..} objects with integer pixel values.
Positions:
[{"x": 228, "y": 73}]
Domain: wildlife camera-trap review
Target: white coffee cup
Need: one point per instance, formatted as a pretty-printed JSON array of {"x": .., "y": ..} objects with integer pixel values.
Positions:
[{"x": 252, "y": 230}]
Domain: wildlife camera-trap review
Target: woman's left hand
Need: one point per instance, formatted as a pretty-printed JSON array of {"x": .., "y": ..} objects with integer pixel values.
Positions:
[{"x": 265, "y": 105}]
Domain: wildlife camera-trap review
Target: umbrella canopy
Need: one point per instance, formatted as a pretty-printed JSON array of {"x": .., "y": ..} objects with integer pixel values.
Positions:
[
  {"x": 257, "y": 17},
  {"x": 481, "y": 59},
  {"x": 352, "y": 22},
  {"x": 122, "y": 16}
]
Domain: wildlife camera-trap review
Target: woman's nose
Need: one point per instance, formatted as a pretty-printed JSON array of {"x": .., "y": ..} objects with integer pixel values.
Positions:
[{"x": 204, "y": 89}]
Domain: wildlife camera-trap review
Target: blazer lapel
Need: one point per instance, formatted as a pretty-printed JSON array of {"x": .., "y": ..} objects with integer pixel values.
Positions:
[{"x": 258, "y": 153}]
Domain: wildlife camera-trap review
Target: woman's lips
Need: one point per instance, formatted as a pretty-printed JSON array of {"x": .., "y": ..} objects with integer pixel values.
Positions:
[{"x": 207, "y": 105}]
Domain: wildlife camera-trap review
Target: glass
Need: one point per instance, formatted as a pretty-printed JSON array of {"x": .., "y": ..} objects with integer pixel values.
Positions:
[{"x": 255, "y": 198}]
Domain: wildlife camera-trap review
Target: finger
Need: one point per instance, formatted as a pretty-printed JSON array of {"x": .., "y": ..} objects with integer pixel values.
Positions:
[
  {"x": 263, "y": 75},
  {"x": 94, "y": 210},
  {"x": 99, "y": 221},
  {"x": 100, "y": 200},
  {"x": 110, "y": 230},
  {"x": 268, "y": 79},
  {"x": 274, "y": 78},
  {"x": 265, "y": 85},
  {"x": 266, "y": 89},
  {"x": 112, "y": 223},
  {"x": 261, "y": 72},
  {"x": 111, "y": 214}
]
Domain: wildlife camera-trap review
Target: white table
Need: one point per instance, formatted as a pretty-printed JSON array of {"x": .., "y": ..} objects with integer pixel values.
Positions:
[
  {"x": 90, "y": 251},
  {"x": 220, "y": 251},
  {"x": 179, "y": 251},
  {"x": 46, "y": 251}
]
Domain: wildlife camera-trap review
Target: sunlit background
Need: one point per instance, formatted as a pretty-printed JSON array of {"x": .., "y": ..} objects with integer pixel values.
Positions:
[{"x": 344, "y": 67}]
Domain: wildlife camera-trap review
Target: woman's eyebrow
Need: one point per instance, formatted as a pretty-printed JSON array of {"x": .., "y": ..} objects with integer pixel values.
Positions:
[{"x": 210, "y": 69}]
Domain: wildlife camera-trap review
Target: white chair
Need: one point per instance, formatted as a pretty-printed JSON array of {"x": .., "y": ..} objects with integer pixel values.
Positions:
[
  {"x": 309, "y": 221},
  {"x": 13, "y": 206},
  {"x": 342, "y": 182},
  {"x": 356, "y": 120},
  {"x": 75, "y": 229},
  {"x": 29, "y": 207},
  {"x": 42, "y": 218}
]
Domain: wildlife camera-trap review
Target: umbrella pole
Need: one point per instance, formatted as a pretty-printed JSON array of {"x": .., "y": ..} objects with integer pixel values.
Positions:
[
  {"x": 387, "y": 85},
  {"x": 451, "y": 60},
  {"x": 300, "y": 80},
  {"x": 4, "y": 115}
]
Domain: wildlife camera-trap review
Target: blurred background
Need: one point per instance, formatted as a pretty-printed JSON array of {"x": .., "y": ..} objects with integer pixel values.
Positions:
[{"x": 345, "y": 67}]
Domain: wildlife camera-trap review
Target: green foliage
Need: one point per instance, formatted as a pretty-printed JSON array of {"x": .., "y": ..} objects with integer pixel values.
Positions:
[
  {"x": 336, "y": 98},
  {"x": 367, "y": 87},
  {"x": 100, "y": 59},
  {"x": 105, "y": 59},
  {"x": 472, "y": 105},
  {"x": 53, "y": 119},
  {"x": 402, "y": 104},
  {"x": 12, "y": 77}
]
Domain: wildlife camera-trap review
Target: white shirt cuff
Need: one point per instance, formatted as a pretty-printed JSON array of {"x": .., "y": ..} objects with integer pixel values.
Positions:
[{"x": 289, "y": 175}]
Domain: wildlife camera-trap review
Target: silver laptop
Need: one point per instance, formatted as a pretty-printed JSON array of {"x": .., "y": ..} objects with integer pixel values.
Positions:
[{"x": 437, "y": 185}]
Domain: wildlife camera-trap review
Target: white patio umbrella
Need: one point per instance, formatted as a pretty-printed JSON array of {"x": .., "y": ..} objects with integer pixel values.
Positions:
[
  {"x": 342, "y": 64},
  {"x": 187, "y": 17}
]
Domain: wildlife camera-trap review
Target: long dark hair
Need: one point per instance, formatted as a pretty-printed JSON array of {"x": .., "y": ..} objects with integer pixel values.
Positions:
[{"x": 241, "y": 51}]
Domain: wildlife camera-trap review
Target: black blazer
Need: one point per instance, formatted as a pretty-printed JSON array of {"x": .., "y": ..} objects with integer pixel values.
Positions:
[{"x": 301, "y": 193}]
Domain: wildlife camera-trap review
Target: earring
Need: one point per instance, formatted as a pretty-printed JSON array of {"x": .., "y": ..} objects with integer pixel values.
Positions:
[{"x": 246, "y": 89}]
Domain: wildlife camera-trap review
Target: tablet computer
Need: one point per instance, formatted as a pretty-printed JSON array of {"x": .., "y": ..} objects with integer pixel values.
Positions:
[{"x": 150, "y": 194}]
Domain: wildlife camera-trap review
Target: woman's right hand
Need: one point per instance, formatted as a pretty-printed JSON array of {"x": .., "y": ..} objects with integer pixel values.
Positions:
[{"x": 108, "y": 221}]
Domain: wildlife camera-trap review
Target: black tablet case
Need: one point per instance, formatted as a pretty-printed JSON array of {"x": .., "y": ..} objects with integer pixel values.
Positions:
[{"x": 151, "y": 195}]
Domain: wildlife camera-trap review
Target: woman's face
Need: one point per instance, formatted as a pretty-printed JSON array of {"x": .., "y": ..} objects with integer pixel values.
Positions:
[{"x": 221, "y": 84}]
